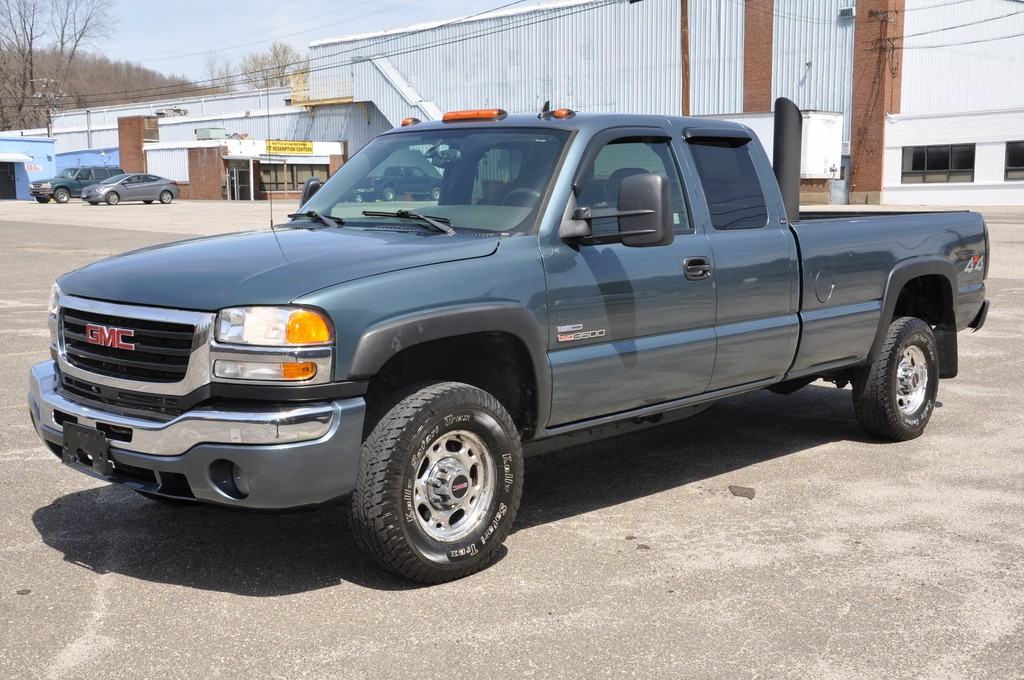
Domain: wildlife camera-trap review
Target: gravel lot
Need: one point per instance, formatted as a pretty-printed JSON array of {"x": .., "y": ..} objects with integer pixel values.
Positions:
[{"x": 854, "y": 559}]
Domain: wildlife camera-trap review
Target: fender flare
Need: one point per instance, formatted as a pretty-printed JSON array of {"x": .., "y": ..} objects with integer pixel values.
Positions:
[
  {"x": 945, "y": 334},
  {"x": 383, "y": 341}
]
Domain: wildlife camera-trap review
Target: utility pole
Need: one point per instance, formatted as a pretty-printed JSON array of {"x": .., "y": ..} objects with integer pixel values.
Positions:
[{"x": 48, "y": 92}]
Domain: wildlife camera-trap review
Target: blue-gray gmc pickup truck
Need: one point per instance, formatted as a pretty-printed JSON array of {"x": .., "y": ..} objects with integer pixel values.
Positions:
[{"x": 573, "y": 271}]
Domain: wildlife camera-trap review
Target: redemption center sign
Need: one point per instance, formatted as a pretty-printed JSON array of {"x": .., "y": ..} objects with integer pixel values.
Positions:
[{"x": 289, "y": 147}]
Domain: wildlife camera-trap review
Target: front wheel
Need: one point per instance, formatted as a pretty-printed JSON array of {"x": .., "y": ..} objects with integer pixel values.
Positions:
[
  {"x": 166, "y": 197},
  {"x": 389, "y": 194},
  {"x": 61, "y": 195},
  {"x": 113, "y": 198},
  {"x": 439, "y": 483},
  {"x": 894, "y": 397}
]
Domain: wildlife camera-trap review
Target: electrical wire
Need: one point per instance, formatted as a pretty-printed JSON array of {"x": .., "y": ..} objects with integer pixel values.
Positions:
[{"x": 200, "y": 86}]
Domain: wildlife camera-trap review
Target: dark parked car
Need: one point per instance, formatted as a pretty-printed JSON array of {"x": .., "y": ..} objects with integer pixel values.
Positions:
[
  {"x": 397, "y": 182},
  {"x": 132, "y": 187},
  {"x": 70, "y": 183}
]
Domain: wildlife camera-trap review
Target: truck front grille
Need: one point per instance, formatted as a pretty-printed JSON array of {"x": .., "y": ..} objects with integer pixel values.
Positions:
[{"x": 161, "y": 352}]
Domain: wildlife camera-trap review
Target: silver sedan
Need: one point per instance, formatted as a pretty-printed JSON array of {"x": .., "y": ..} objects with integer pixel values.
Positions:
[{"x": 131, "y": 187}]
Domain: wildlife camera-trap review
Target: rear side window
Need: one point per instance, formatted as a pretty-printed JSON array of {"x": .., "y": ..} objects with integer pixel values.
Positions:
[{"x": 731, "y": 187}]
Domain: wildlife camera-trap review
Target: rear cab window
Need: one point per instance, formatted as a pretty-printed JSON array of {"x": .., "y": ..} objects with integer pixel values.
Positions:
[{"x": 727, "y": 174}]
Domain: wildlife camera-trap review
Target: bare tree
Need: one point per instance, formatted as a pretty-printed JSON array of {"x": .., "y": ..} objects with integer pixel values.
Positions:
[
  {"x": 220, "y": 72},
  {"x": 271, "y": 68},
  {"x": 30, "y": 84}
]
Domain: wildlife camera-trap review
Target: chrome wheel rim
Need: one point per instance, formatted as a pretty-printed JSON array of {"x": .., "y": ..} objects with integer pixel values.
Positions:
[
  {"x": 911, "y": 380},
  {"x": 454, "y": 486}
]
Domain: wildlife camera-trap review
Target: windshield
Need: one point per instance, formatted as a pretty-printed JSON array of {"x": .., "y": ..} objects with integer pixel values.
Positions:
[
  {"x": 490, "y": 179},
  {"x": 68, "y": 174},
  {"x": 113, "y": 180}
]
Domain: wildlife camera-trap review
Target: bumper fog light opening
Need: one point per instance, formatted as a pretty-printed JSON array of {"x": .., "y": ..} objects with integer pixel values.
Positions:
[{"x": 229, "y": 479}]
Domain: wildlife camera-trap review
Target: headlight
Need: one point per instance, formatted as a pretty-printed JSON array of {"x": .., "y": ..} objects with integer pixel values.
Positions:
[
  {"x": 273, "y": 326},
  {"x": 54, "y": 301},
  {"x": 44, "y": 185}
]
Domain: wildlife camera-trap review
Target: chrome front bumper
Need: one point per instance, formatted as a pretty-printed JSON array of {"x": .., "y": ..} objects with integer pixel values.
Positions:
[{"x": 271, "y": 425}]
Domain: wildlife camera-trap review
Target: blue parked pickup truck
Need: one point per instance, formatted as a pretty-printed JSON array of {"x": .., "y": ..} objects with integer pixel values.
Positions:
[{"x": 574, "y": 271}]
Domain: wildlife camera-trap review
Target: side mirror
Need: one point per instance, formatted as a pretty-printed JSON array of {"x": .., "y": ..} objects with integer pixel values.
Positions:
[
  {"x": 644, "y": 212},
  {"x": 309, "y": 187}
]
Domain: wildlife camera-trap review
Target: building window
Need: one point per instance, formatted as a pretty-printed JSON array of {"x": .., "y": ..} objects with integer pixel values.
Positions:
[
  {"x": 1014, "y": 160},
  {"x": 279, "y": 177},
  {"x": 945, "y": 163},
  {"x": 298, "y": 174},
  {"x": 272, "y": 176}
]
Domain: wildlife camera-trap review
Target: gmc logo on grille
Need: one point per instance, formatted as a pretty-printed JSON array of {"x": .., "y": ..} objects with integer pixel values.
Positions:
[{"x": 108, "y": 336}]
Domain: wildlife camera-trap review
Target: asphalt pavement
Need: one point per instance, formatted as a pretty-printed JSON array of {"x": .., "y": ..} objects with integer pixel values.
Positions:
[{"x": 631, "y": 557}]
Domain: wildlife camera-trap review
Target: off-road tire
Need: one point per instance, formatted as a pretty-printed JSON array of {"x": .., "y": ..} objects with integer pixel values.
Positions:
[
  {"x": 875, "y": 386},
  {"x": 166, "y": 197},
  {"x": 62, "y": 195},
  {"x": 42, "y": 199},
  {"x": 383, "y": 513},
  {"x": 112, "y": 198}
]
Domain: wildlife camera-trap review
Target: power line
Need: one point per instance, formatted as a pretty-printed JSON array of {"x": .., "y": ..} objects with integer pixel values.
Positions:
[
  {"x": 206, "y": 84},
  {"x": 965, "y": 42},
  {"x": 951, "y": 28},
  {"x": 408, "y": 50}
]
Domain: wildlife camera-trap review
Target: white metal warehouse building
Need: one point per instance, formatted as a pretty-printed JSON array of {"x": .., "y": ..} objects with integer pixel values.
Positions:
[{"x": 929, "y": 92}]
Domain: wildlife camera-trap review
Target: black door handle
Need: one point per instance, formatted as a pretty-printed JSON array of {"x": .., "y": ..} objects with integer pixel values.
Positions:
[{"x": 697, "y": 268}]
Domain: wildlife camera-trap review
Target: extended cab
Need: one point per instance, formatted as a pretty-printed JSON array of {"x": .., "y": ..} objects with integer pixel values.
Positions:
[
  {"x": 69, "y": 183},
  {"x": 573, "y": 271}
]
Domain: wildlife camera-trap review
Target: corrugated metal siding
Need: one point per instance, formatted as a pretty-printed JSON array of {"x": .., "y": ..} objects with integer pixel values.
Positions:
[
  {"x": 252, "y": 100},
  {"x": 355, "y": 123},
  {"x": 716, "y": 56},
  {"x": 169, "y": 163},
  {"x": 812, "y": 56},
  {"x": 76, "y": 141},
  {"x": 984, "y": 75},
  {"x": 590, "y": 56}
]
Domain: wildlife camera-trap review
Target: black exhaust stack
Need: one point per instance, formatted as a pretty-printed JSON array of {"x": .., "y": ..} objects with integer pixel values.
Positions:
[{"x": 786, "y": 154}]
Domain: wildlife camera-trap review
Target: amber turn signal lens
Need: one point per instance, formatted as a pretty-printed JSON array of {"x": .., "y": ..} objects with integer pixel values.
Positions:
[
  {"x": 563, "y": 113},
  {"x": 306, "y": 327},
  {"x": 406, "y": 122},
  {"x": 298, "y": 371},
  {"x": 474, "y": 114}
]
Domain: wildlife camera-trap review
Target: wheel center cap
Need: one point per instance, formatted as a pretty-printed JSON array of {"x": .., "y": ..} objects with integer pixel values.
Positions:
[
  {"x": 460, "y": 486},
  {"x": 448, "y": 483}
]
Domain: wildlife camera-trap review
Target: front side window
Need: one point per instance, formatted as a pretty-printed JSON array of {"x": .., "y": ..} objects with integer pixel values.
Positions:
[
  {"x": 939, "y": 163},
  {"x": 487, "y": 178},
  {"x": 620, "y": 159},
  {"x": 731, "y": 186},
  {"x": 85, "y": 174},
  {"x": 1014, "y": 160}
]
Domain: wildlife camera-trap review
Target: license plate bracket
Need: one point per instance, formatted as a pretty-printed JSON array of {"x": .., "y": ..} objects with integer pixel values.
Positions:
[{"x": 89, "y": 441}]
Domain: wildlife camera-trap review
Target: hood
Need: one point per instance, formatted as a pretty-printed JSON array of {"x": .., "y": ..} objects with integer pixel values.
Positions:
[{"x": 262, "y": 267}]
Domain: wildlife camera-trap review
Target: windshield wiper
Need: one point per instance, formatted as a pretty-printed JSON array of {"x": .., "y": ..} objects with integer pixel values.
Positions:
[
  {"x": 316, "y": 216},
  {"x": 438, "y": 223}
]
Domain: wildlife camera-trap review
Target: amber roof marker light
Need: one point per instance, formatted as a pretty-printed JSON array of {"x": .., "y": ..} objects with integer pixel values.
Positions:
[
  {"x": 473, "y": 114},
  {"x": 406, "y": 122},
  {"x": 546, "y": 113}
]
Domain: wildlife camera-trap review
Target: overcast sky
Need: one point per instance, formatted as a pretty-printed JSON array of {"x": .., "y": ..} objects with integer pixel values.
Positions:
[{"x": 174, "y": 36}]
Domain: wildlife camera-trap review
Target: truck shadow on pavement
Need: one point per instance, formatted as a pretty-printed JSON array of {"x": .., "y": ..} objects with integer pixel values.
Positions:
[{"x": 110, "y": 529}]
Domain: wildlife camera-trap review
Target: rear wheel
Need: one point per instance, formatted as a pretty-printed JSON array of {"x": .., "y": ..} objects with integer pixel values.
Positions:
[
  {"x": 61, "y": 195},
  {"x": 894, "y": 397},
  {"x": 435, "y": 194},
  {"x": 42, "y": 199},
  {"x": 113, "y": 198},
  {"x": 165, "y": 197},
  {"x": 439, "y": 483}
]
